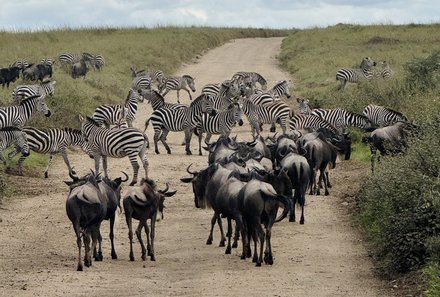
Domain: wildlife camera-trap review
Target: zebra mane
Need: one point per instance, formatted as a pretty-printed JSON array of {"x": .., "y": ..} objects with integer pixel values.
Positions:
[
  {"x": 188, "y": 76},
  {"x": 71, "y": 130},
  {"x": 398, "y": 113},
  {"x": 260, "y": 77},
  {"x": 28, "y": 99},
  {"x": 10, "y": 128},
  {"x": 198, "y": 99},
  {"x": 91, "y": 120}
]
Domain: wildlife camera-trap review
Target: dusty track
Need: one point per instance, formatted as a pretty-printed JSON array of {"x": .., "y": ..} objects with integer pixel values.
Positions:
[{"x": 324, "y": 257}]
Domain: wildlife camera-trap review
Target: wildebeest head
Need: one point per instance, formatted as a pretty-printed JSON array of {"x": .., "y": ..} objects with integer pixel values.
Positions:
[
  {"x": 162, "y": 194},
  {"x": 199, "y": 180}
]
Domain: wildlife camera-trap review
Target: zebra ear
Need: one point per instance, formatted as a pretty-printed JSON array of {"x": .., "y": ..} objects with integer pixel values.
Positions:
[
  {"x": 54, "y": 82},
  {"x": 81, "y": 118}
]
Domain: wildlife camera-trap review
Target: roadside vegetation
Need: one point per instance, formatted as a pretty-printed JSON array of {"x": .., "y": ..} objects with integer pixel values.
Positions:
[{"x": 399, "y": 205}]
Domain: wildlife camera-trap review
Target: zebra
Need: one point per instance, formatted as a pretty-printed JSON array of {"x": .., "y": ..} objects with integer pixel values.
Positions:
[
  {"x": 220, "y": 123},
  {"x": 99, "y": 62},
  {"x": 157, "y": 101},
  {"x": 277, "y": 112},
  {"x": 142, "y": 82},
  {"x": 68, "y": 59},
  {"x": 313, "y": 122},
  {"x": 354, "y": 75},
  {"x": 279, "y": 90},
  {"x": 155, "y": 75},
  {"x": 47, "y": 62},
  {"x": 341, "y": 118},
  {"x": 250, "y": 78},
  {"x": 16, "y": 137},
  {"x": 385, "y": 71},
  {"x": 211, "y": 89},
  {"x": 178, "y": 83},
  {"x": 21, "y": 64},
  {"x": 110, "y": 114},
  {"x": 18, "y": 115},
  {"x": 229, "y": 92},
  {"x": 185, "y": 119},
  {"x": 117, "y": 143},
  {"x": 52, "y": 141},
  {"x": 25, "y": 91},
  {"x": 383, "y": 116},
  {"x": 304, "y": 107}
]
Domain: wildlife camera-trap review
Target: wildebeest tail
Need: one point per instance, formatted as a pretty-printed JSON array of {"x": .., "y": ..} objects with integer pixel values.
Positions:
[{"x": 281, "y": 199}]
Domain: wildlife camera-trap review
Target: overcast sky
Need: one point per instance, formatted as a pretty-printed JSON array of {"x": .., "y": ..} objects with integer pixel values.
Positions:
[{"x": 51, "y": 14}]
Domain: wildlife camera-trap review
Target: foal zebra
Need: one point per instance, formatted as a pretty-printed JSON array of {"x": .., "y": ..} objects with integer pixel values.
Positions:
[
  {"x": 383, "y": 116},
  {"x": 52, "y": 141},
  {"x": 355, "y": 75},
  {"x": 25, "y": 91},
  {"x": 18, "y": 115},
  {"x": 220, "y": 123},
  {"x": 117, "y": 143},
  {"x": 341, "y": 118},
  {"x": 250, "y": 78},
  {"x": 16, "y": 137},
  {"x": 184, "y": 119},
  {"x": 178, "y": 83},
  {"x": 111, "y": 114}
]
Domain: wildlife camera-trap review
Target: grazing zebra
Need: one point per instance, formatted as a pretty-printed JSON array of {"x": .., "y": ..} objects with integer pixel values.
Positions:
[
  {"x": 99, "y": 62},
  {"x": 341, "y": 118},
  {"x": 185, "y": 119},
  {"x": 18, "y": 115},
  {"x": 52, "y": 141},
  {"x": 250, "y": 78},
  {"x": 46, "y": 88},
  {"x": 385, "y": 71},
  {"x": 68, "y": 59},
  {"x": 277, "y": 112},
  {"x": 220, "y": 123},
  {"x": 157, "y": 101},
  {"x": 16, "y": 137},
  {"x": 383, "y": 116},
  {"x": 355, "y": 75},
  {"x": 140, "y": 83},
  {"x": 116, "y": 143},
  {"x": 178, "y": 83},
  {"x": 304, "y": 107},
  {"x": 111, "y": 114}
]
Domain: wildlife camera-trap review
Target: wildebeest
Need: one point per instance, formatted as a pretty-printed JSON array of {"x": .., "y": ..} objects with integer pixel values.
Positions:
[
  {"x": 80, "y": 69},
  {"x": 8, "y": 75},
  {"x": 143, "y": 203}
]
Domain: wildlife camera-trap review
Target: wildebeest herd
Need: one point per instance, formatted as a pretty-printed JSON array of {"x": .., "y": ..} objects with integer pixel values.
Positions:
[{"x": 245, "y": 182}]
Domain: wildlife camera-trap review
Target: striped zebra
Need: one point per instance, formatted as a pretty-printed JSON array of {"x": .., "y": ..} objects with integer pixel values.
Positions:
[
  {"x": 228, "y": 93},
  {"x": 117, "y": 143},
  {"x": 385, "y": 72},
  {"x": 383, "y": 116},
  {"x": 140, "y": 83},
  {"x": 185, "y": 119},
  {"x": 313, "y": 122},
  {"x": 45, "y": 88},
  {"x": 157, "y": 101},
  {"x": 211, "y": 89},
  {"x": 279, "y": 90},
  {"x": 304, "y": 107},
  {"x": 111, "y": 114},
  {"x": 47, "y": 61},
  {"x": 52, "y": 141},
  {"x": 21, "y": 64},
  {"x": 99, "y": 62},
  {"x": 276, "y": 112},
  {"x": 178, "y": 83},
  {"x": 355, "y": 75},
  {"x": 155, "y": 75},
  {"x": 220, "y": 123},
  {"x": 68, "y": 59},
  {"x": 18, "y": 115},
  {"x": 341, "y": 118},
  {"x": 13, "y": 136},
  {"x": 250, "y": 78}
]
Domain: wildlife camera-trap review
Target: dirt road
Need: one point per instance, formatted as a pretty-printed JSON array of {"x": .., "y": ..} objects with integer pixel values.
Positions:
[{"x": 324, "y": 257}]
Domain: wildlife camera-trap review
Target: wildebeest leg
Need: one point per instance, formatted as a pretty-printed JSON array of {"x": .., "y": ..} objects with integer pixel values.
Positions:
[
  {"x": 96, "y": 235},
  {"x": 87, "y": 256},
  {"x": 208, "y": 137},
  {"x": 313, "y": 183},
  {"x": 130, "y": 234},
  {"x": 147, "y": 233},
  {"x": 328, "y": 180},
  {"x": 210, "y": 237},
  {"x": 99, "y": 257},
  {"x": 220, "y": 225},
  {"x": 188, "y": 135},
  {"x": 229, "y": 235},
  {"x": 236, "y": 235},
  {"x": 301, "y": 201},
  {"x": 139, "y": 237},
  {"x": 261, "y": 236},
  {"x": 135, "y": 165},
  {"x": 112, "y": 236},
  {"x": 323, "y": 177},
  {"x": 292, "y": 211},
  {"x": 76, "y": 228},
  {"x": 152, "y": 233}
]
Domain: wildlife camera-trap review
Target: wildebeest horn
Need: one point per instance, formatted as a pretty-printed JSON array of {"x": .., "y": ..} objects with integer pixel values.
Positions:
[
  {"x": 193, "y": 173},
  {"x": 167, "y": 187},
  {"x": 73, "y": 177},
  {"x": 126, "y": 175}
]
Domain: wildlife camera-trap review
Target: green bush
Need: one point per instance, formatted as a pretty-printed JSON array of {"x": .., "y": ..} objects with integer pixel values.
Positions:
[{"x": 424, "y": 73}]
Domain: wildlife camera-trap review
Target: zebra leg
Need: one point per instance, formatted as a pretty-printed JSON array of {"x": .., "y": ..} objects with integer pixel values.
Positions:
[
  {"x": 200, "y": 142},
  {"x": 156, "y": 140},
  {"x": 104, "y": 165},
  {"x": 178, "y": 99},
  {"x": 135, "y": 165},
  {"x": 49, "y": 162},
  {"x": 163, "y": 139},
  {"x": 188, "y": 135},
  {"x": 66, "y": 160},
  {"x": 97, "y": 159},
  {"x": 144, "y": 161},
  {"x": 189, "y": 93},
  {"x": 208, "y": 137}
]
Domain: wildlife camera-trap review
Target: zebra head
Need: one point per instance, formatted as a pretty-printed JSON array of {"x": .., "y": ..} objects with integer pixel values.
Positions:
[
  {"x": 42, "y": 106},
  {"x": 190, "y": 82},
  {"x": 304, "y": 107},
  {"x": 238, "y": 113},
  {"x": 23, "y": 144},
  {"x": 367, "y": 63}
]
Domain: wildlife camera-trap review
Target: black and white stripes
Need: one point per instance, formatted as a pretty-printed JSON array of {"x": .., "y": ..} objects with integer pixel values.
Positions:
[
  {"x": 355, "y": 75},
  {"x": 383, "y": 116},
  {"x": 18, "y": 115},
  {"x": 21, "y": 92},
  {"x": 178, "y": 83}
]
